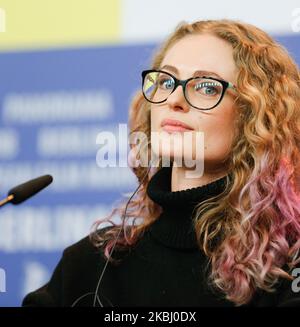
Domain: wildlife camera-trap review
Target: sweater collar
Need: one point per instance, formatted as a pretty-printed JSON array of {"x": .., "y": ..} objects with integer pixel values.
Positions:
[{"x": 174, "y": 227}]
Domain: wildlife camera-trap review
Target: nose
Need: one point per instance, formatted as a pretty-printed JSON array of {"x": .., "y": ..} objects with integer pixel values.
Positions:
[{"x": 177, "y": 101}]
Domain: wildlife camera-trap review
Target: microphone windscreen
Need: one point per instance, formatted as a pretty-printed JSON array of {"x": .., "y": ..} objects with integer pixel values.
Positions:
[{"x": 24, "y": 191}]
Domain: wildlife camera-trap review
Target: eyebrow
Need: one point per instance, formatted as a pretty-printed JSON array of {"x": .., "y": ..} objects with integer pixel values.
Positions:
[{"x": 197, "y": 72}]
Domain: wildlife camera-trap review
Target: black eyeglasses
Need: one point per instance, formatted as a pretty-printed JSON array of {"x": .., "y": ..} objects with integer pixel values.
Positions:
[{"x": 202, "y": 93}]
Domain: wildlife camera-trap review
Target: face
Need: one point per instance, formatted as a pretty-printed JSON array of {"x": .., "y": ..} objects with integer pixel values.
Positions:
[{"x": 202, "y": 52}]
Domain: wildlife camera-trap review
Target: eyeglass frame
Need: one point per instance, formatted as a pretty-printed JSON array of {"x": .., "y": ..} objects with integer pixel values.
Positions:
[{"x": 226, "y": 85}]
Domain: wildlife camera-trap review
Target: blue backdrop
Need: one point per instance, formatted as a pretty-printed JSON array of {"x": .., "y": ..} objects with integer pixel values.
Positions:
[{"x": 53, "y": 105}]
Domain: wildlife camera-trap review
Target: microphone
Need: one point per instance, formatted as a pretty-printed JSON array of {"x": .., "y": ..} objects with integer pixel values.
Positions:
[{"x": 24, "y": 191}]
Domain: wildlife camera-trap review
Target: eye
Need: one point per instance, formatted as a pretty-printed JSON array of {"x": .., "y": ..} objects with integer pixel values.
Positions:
[
  {"x": 166, "y": 83},
  {"x": 208, "y": 88}
]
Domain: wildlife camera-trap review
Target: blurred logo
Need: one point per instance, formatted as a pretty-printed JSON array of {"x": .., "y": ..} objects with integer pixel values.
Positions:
[
  {"x": 2, "y": 281},
  {"x": 35, "y": 275},
  {"x": 2, "y": 21},
  {"x": 296, "y": 21}
]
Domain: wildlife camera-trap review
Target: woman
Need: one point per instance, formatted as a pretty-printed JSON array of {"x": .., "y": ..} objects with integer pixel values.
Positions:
[{"x": 229, "y": 236}]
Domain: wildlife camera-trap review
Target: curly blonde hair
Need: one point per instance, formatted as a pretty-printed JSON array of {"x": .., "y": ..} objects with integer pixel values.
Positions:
[{"x": 251, "y": 231}]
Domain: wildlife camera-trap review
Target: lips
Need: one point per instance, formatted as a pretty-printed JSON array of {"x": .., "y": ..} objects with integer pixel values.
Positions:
[{"x": 175, "y": 125}]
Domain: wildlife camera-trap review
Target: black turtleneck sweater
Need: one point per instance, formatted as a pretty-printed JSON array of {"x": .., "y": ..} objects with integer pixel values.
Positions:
[{"x": 164, "y": 269}]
